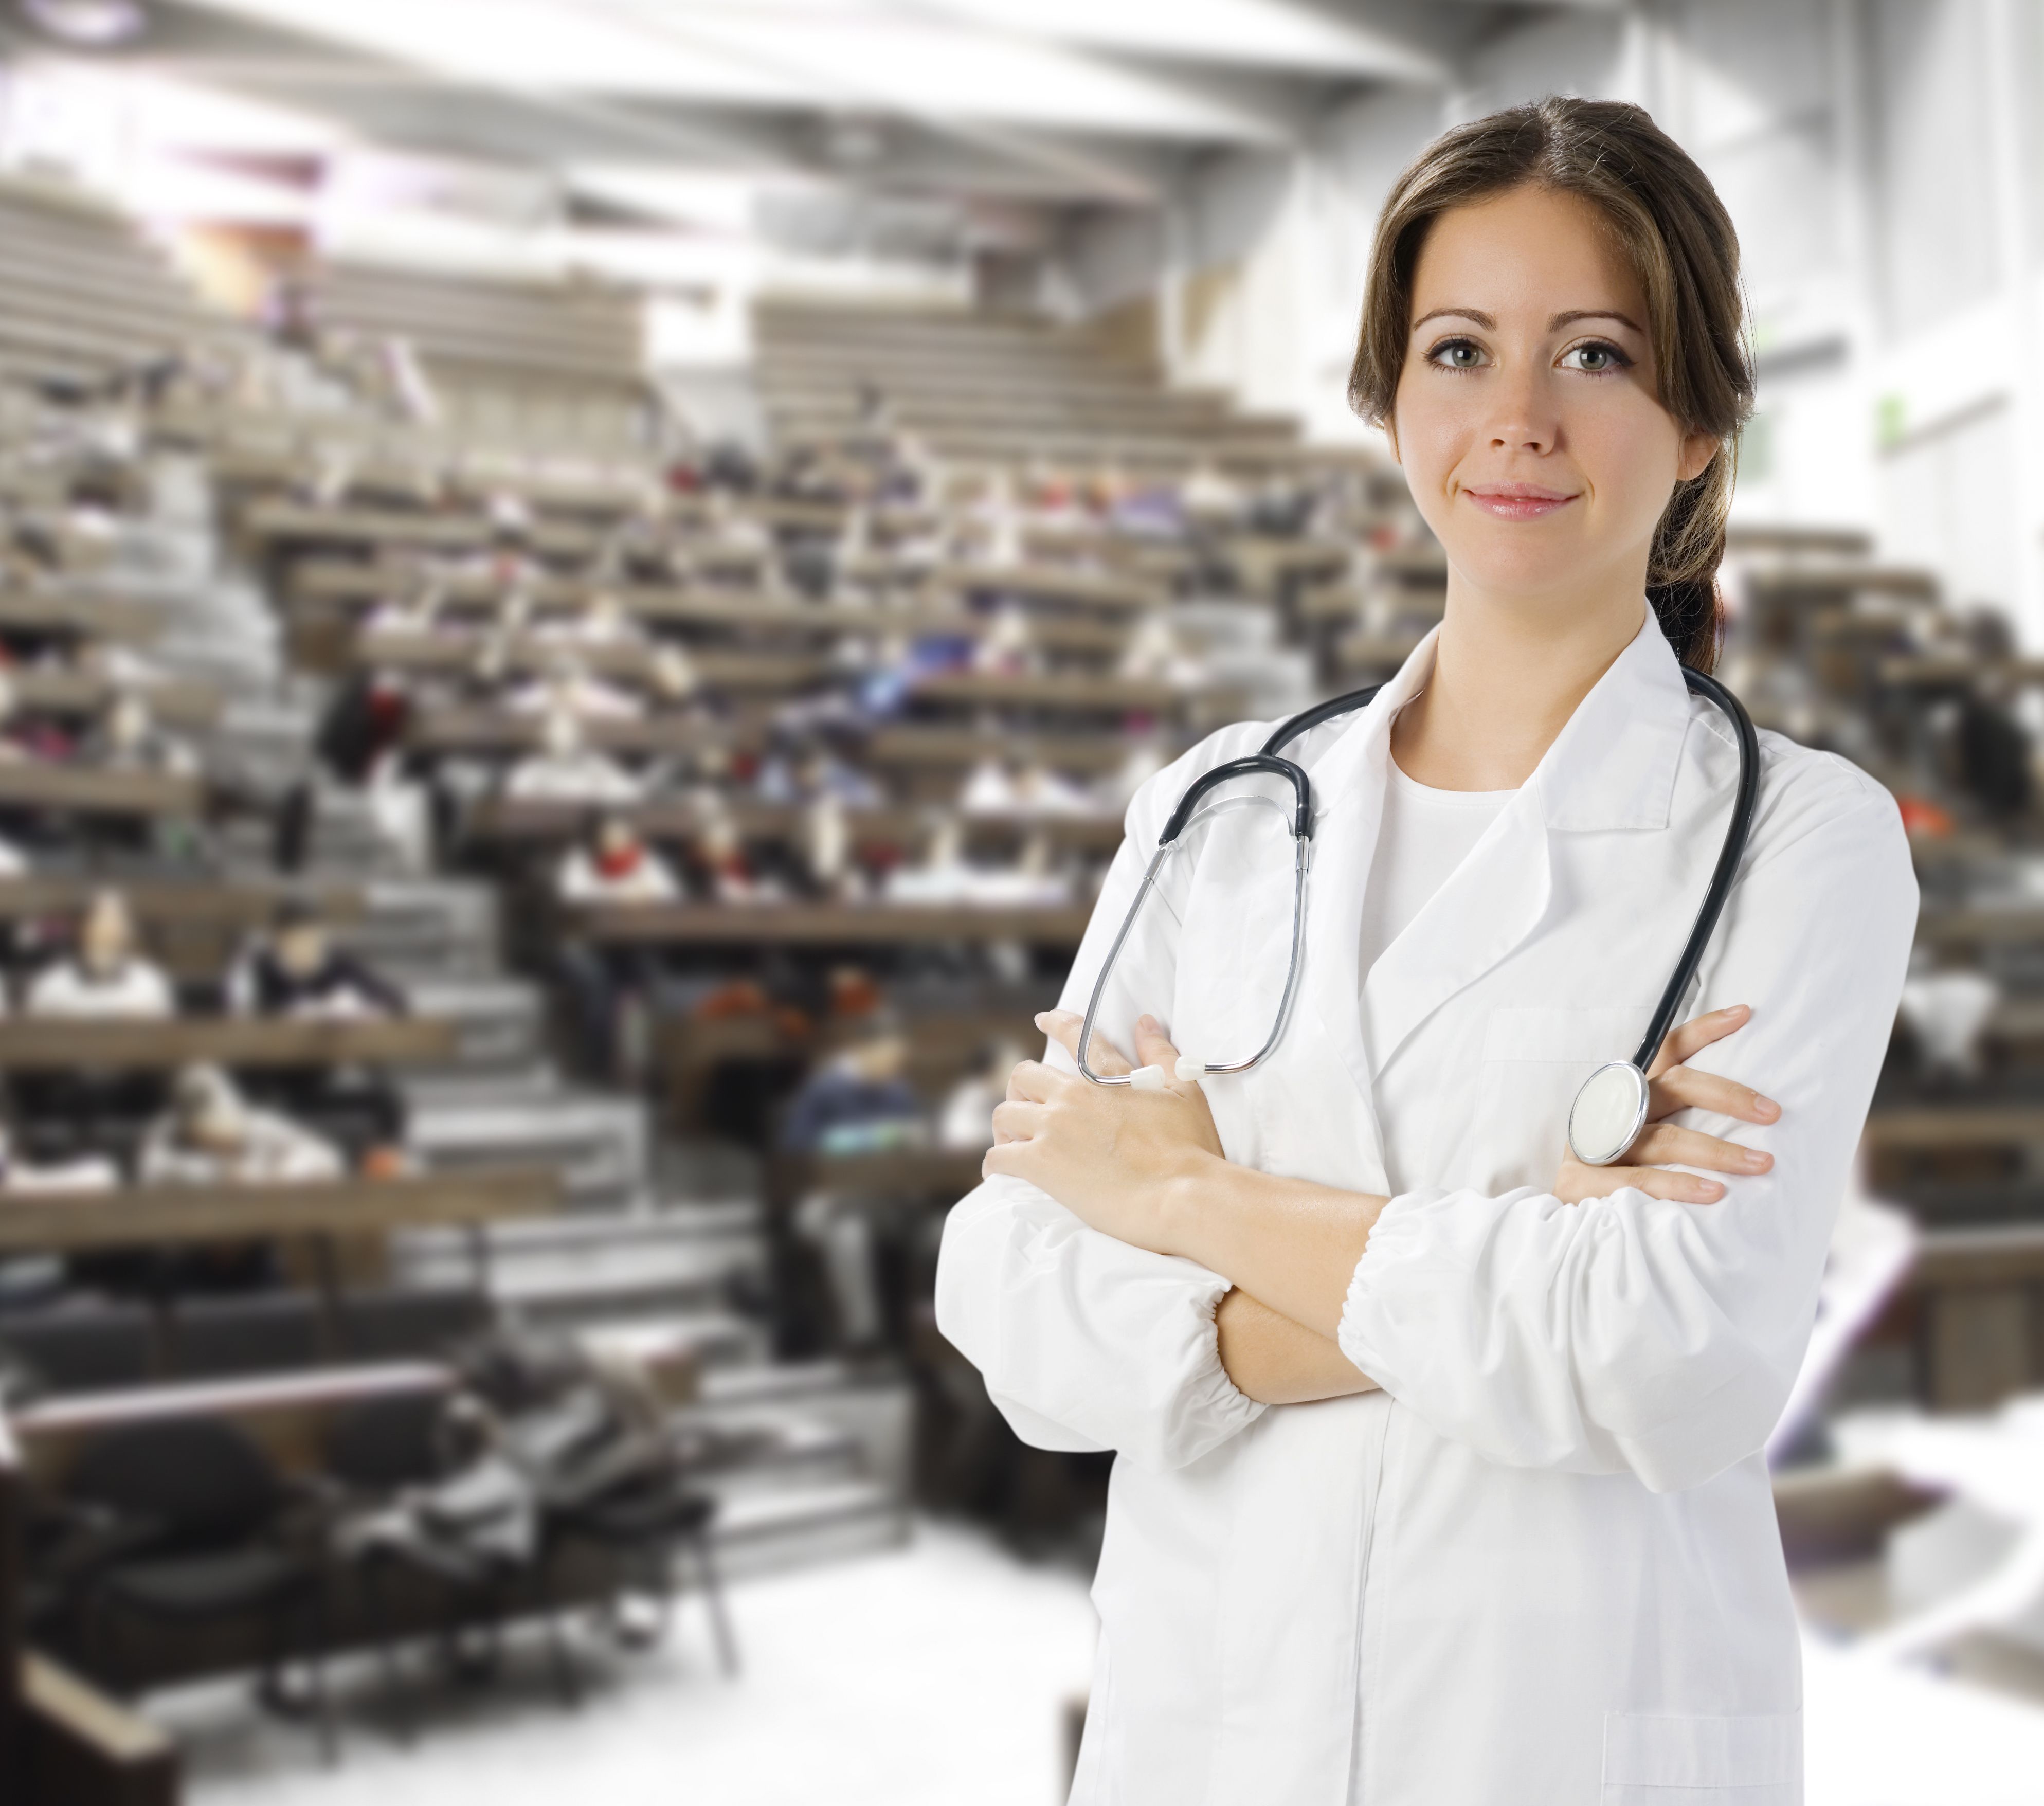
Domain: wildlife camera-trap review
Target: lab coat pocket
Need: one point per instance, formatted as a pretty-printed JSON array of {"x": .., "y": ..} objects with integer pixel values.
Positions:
[
  {"x": 1533, "y": 1062},
  {"x": 1683, "y": 1759}
]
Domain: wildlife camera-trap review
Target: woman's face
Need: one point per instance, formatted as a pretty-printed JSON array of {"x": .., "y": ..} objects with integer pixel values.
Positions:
[{"x": 1527, "y": 418}]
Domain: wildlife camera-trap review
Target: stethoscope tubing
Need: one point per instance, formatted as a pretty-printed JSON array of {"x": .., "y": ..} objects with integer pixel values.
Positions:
[{"x": 1269, "y": 760}]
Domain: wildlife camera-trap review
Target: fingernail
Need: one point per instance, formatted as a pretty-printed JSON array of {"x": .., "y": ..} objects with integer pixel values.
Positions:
[
  {"x": 1145, "y": 1021},
  {"x": 1709, "y": 1191},
  {"x": 1040, "y": 1017},
  {"x": 1768, "y": 1109},
  {"x": 1757, "y": 1161},
  {"x": 1735, "y": 1010}
]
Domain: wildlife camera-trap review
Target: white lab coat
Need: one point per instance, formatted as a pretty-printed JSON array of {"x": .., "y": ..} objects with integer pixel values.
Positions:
[{"x": 1541, "y": 1566}]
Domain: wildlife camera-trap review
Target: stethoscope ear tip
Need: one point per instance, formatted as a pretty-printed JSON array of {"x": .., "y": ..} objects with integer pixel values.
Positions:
[
  {"x": 1190, "y": 1067},
  {"x": 1147, "y": 1078}
]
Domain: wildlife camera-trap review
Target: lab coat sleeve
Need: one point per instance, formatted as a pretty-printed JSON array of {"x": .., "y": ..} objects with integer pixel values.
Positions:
[
  {"x": 1084, "y": 1343},
  {"x": 1628, "y": 1333}
]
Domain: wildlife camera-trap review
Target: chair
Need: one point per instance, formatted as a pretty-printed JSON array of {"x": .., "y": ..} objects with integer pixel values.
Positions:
[
  {"x": 643, "y": 1525},
  {"x": 220, "y": 1536},
  {"x": 402, "y": 1323},
  {"x": 262, "y": 1332},
  {"x": 91, "y": 1348}
]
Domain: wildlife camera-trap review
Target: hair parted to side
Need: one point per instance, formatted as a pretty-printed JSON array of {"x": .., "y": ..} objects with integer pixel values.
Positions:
[{"x": 1673, "y": 229}]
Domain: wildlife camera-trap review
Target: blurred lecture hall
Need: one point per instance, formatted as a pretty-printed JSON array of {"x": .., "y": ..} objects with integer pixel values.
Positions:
[{"x": 584, "y": 587}]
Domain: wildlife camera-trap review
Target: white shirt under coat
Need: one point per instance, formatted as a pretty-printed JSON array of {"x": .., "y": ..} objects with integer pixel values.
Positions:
[{"x": 1541, "y": 1565}]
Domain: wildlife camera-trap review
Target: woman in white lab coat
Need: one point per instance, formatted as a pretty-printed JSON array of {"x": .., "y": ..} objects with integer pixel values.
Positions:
[{"x": 1440, "y": 1478}]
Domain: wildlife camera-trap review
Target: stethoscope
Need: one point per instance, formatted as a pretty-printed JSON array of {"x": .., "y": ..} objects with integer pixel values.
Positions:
[{"x": 1610, "y": 1108}]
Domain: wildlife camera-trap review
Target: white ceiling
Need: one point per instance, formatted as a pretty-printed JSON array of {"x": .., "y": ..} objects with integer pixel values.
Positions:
[{"x": 1042, "y": 102}]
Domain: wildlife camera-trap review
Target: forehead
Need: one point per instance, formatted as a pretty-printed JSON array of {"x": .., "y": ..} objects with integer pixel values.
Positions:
[{"x": 1529, "y": 250}]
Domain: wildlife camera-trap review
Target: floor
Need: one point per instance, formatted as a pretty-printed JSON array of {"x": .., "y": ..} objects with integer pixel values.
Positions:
[
  {"x": 932, "y": 1676},
  {"x": 939, "y": 1675}
]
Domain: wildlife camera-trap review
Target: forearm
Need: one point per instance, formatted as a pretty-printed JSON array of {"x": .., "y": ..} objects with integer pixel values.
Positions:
[
  {"x": 1275, "y": 1361},
  {"x": 1289, "y": 1243}
]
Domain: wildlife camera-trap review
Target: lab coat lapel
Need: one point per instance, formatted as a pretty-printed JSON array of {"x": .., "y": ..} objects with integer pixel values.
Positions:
[
  {"x": 1348, "y": 790},
  {"x": 1612, "y": 766},
  {"x": 1489, "y": 904}
]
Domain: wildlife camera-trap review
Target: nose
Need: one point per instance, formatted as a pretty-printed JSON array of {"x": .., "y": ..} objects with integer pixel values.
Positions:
[{"x": 1523, "y": 417}]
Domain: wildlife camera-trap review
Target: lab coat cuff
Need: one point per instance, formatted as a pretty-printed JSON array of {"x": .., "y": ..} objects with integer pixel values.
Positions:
[{"x": 1368, "y": 1332}]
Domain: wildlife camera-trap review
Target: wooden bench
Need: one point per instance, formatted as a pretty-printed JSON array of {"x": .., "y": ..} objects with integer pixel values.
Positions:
[
  {"x": 826, "y": 924},
  {"x": 193, "y": 927},
  {"x": 52, "y": 1043},
  {"x": 81, "y": 789},
  {"x": 516, "y": 821},
  {"x": 1102, "y": 590},
  {"x": 503, "y": 733},
  {"x": 162, "y": 1215}
]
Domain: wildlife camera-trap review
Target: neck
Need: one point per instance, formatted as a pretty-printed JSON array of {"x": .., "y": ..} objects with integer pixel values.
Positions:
[{"x": 1507, "y": 676}]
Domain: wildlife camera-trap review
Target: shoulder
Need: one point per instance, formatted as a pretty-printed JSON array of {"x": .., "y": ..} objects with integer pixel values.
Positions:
[
  {"x": 1819, "y": 812},
  {"x": 1160, "y": 793}
]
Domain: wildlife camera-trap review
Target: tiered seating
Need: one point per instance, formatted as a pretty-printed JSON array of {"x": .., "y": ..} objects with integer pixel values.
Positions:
[
  {"x": 980, "y": 386},
  {"x": 553, "y": 364},
  {"x": 82, "y": 295}
]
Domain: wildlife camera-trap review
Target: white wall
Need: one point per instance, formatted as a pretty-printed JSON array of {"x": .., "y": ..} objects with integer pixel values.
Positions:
[{"x": 1883, "y": 160}]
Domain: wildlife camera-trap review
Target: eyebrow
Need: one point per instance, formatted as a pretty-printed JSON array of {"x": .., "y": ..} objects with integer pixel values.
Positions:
[{"x": 1488, "y": 322}]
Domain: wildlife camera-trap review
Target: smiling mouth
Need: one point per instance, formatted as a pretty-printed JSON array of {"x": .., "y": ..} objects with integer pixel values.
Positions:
[{"x": 1518, "y": 501}]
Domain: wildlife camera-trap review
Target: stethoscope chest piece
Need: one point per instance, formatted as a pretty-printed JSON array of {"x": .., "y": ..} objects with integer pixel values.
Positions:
[{"x": 1608, "y": 1114}]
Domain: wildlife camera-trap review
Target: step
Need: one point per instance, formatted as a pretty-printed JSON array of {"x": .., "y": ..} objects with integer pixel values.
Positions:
[
  {"x": 773, "y": 1532},
  {"x": 598, "y": 1145},
  {"x": 500, "y": 1023}
]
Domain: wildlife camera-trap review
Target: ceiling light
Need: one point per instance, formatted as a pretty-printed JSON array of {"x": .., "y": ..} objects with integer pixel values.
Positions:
[{"x": 95, "y": 24}]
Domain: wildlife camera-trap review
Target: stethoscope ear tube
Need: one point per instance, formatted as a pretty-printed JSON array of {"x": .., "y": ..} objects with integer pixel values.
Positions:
[
  {"x": 1609, "y": 1109},
  {"x": 1737, "y": 832}
]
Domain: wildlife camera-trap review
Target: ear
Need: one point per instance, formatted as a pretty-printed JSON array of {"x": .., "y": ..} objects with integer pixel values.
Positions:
[{"x": 1698, "y": 450}]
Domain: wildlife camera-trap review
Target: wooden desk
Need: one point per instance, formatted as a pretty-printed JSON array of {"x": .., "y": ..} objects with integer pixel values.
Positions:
[
  {"x": 536, "y": 821},
  {"x": 916, "y": 1175},
  {"x": 1981, "y": 1296},
  {"x": 761, "y": 673},
  {"x": 1981, "y": 926},
  {"x": 757, "y": 616},
  {"x": 295, "y": 523},
  {"x": 155, "y": 1215},
  {"x": 94, "y": 618},
  {"x": 46, "y": 1044},
  {"x": 501, "y": 732},
  {"x": 1831, "y": 578},
  {"x": 957, "y": 749},
  {"x": 175, "y": 702},
  {"x": 825, "y": 925},
  {"x": 1919, "y": 1128},
  {"x": 174, "y": 902},
  {"x": 1051, "y": 583},
  {"x": 92, "y": 790},
  {"x": 1063, "y": 692}
]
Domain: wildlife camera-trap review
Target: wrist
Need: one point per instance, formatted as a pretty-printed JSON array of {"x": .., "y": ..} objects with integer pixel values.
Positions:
[{"x": 1184, "y": 1205}]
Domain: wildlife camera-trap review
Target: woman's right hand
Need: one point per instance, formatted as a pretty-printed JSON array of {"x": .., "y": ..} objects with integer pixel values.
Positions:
[{"x": 1672, "y": 1085}]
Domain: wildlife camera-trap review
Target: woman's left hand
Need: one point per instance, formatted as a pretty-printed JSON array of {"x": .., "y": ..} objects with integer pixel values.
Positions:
[{"x": 1109, "y": 1154}]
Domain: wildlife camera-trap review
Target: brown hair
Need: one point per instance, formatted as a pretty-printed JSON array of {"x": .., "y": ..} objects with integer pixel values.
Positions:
[{"x": 1675, "y": 232}]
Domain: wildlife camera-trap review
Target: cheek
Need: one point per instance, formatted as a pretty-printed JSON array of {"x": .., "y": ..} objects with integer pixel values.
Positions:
[
  {"x": 1435, "y": 432},
  {"x": 1628, "y": 449}
]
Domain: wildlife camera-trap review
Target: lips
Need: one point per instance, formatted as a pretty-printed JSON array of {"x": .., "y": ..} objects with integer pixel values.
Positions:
[{"x": 1518, "y": 501}]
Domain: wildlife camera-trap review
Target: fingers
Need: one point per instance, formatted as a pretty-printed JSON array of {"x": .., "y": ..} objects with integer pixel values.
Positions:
[
  {"x": 1664, "y": 1145},
  {"x": 1685, "y": 1088},
  {"x": 1658, "y": 1182},
  {"x": 1693, "y": 1036},
  {"x": 1033, "y": 1082},
  {"x": 1153, "y": 1046},
  {"x": 1016, "y": 1121},
  {"x": 1064, "y": 1026},
  {"x": 1013, "y": 1157}
]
